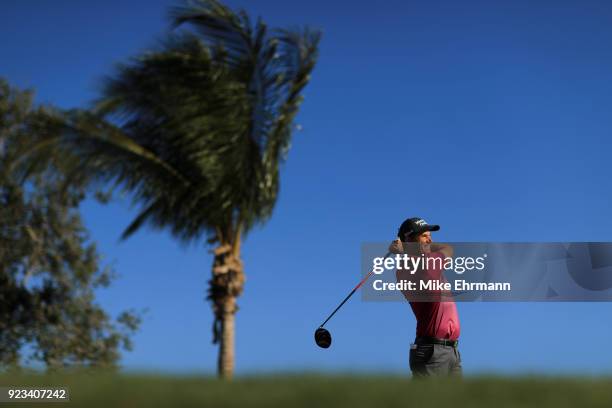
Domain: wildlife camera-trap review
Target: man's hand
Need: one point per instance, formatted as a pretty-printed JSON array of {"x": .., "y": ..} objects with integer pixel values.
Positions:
[
  {"x": 396, "y": 247},
  {"x": 410, "y": 248}
]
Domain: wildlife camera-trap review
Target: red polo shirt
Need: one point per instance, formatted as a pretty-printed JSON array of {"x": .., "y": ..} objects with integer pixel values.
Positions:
[{"x": 435, "y": 319}]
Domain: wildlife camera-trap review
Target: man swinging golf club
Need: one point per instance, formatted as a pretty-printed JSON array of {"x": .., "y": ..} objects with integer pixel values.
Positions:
[{"x": 434, "y": 351}]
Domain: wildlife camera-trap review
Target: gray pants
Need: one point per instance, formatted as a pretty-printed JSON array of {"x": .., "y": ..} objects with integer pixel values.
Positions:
[{"x": 434, "y": 360}]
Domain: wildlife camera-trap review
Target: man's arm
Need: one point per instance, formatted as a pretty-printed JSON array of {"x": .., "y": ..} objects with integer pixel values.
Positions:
[{"x": 445, "y": 249}]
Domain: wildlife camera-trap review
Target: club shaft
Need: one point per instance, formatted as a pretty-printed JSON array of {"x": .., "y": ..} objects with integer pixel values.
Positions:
[{"x": 352, "y": 291}]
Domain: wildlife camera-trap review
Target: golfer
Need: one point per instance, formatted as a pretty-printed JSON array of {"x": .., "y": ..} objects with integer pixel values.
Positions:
[{"x": 434, "y": 351}]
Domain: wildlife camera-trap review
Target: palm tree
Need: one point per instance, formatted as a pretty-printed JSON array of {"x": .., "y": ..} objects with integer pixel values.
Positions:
[{"x": 195, "y": 132}]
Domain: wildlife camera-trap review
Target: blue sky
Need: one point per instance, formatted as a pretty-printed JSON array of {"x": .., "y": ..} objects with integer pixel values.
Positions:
[{"x": 489, "y": 118}]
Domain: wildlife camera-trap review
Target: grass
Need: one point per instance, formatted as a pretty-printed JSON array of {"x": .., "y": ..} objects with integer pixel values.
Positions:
[{"x": 314, "y": 391}]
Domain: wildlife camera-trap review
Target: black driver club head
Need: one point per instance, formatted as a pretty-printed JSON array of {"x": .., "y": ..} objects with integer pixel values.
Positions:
[{"x": 323, "y": 338}]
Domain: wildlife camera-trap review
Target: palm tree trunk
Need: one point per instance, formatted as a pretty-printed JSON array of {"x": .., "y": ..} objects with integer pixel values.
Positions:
[
  {"x": 225, "y": 286},
  {"x": 225, "y": 365}
]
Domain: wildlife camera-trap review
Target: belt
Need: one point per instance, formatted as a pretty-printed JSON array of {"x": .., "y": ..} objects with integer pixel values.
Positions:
[{"x": 435, "y": 340}]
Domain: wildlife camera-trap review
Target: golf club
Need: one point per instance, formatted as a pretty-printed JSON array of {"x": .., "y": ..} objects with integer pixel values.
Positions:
[{"x": 323, "y": 336}]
